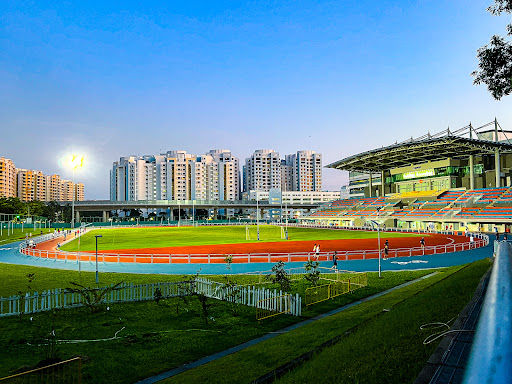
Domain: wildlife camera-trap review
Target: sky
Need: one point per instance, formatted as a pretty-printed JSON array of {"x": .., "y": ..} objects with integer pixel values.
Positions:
[{"x": 108, "y": 79}]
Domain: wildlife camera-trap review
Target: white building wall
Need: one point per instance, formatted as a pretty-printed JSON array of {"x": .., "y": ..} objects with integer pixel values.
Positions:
[
  {"x": 307, "y": 170},
  {"x": 263, "y": 170},
  {"x": 176, "y": 175}
]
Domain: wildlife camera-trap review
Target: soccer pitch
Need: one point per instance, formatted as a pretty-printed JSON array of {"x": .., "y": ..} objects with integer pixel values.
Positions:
[{"x": 160, "y": 237}]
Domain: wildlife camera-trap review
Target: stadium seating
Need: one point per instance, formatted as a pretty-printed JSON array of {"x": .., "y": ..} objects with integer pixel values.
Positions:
[{"x": 487, "y": 203}]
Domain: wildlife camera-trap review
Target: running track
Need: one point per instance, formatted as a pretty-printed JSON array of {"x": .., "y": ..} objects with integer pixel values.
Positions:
[{"x": 10, "y": 254}]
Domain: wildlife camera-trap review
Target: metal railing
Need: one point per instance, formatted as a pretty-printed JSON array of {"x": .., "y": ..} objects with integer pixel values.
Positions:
[
  {"x": 490, "y": 360},
  {"x": 69, "y": 372},
  {"x": 480, "y": 240}
]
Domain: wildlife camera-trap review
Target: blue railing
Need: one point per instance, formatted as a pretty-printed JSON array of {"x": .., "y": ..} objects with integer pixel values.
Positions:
[{"x": 491, "y": 354}]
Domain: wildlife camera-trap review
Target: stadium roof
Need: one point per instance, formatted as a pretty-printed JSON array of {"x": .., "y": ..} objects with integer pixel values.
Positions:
[{"x": 426, "y": 148}]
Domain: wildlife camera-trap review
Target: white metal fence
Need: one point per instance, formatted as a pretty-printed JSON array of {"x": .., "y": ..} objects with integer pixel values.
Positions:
[
  {"x": 70, "y": 298},
  {"x": 248, "y": 295}
]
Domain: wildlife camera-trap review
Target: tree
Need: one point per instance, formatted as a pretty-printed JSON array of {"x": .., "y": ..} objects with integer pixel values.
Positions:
[
  {"x": 93, "y": 298},
  {"x": 233, "y": 291},
  {"x": 135, "y": 212},
  {"x": 280, "y": 276},
  {"x": 313, "y": 274},
  {"x": 495, "y": 59},
  {"x": 12, "y": 205},
  {"x": 36, "y": 207}
]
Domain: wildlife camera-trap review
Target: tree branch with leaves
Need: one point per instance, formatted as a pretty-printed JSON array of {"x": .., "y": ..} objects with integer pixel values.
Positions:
[{"x": 495, "y": 58}]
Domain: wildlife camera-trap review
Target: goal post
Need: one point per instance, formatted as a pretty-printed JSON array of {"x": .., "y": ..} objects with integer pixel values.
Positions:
[
  {"x": 284, "y": 233},
  {"x": 247, "y": 233}
]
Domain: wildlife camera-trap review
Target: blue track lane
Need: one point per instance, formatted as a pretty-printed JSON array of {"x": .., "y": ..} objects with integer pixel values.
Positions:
[{"x": 9, "y": 254}]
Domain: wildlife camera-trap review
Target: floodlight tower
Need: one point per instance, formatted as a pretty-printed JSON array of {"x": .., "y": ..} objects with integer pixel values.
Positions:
[{"x": 75, "y": 162}]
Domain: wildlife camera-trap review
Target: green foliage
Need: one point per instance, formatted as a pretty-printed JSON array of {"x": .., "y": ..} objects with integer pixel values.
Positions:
[
  {"x": 205, "y": 306},
  {"x": 13, "y": 205},
  {"x": 280, "y": 276},
  {"x": 186, "y": 288},
  {"x": 233, "y": 289},
  {"x": 158, "y": 295},
  {"x": 93, "y": 297},
  {"x": 313, "y": 274},
  {"x": 495, "y": 59}
]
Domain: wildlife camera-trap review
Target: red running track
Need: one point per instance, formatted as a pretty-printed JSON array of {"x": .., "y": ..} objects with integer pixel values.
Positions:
[{"x": 349, "y": 249}]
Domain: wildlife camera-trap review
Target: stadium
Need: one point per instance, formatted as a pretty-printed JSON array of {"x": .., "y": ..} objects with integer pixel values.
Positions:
[
  {"x": 455, "y": 180},
  {"x": 416, "y": 226}
]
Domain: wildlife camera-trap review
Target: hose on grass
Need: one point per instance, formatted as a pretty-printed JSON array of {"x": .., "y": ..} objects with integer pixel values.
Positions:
[
  {"x": 78, "y": 341},
  {"x": 438, "y": 324},
  {"x": 117, "y": 337}
]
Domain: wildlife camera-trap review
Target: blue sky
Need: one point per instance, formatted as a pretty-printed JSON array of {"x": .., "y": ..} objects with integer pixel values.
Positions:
[{"x": 112, "y": 79}]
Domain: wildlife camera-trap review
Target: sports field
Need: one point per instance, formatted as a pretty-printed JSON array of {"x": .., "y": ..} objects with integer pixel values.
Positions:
[{"x": 230, "y": 239}]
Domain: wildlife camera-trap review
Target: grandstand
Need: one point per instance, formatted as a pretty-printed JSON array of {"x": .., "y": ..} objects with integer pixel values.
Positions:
[
  {"x": 455, "y": 179},
  {"x": 476, "y": 209}
]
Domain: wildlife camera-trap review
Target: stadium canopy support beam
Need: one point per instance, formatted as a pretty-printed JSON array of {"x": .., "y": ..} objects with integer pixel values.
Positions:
[
  {"x": 370, "y": 184},
  {"x": 382, "y": 183},
  {"x": 77, "y": 216},
  {"x": 497, "y": 166},
  {"x": 105, "y": 216},
  {"x": 215, "y": 212},
  {"x": 471, "y": 172}
]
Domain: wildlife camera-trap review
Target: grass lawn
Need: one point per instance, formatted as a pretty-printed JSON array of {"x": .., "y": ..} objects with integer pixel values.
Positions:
[
  {"x": 155, "y": 338},
  {"x": 389, "y": 347},
  {"x": 17, "y": 234},
  {"x": 128, "y": 238},
  {"x": 380, "y": 347}
]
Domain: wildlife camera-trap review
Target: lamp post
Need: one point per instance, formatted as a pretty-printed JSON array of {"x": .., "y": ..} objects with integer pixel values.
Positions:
[
  {"x": 257, "y": 216},
  {"x": 378, "y": 240},
  {"x": 286, "y": 214},
  {"x": 96, "y": 236},
  {"x": 74, "y": 163}
]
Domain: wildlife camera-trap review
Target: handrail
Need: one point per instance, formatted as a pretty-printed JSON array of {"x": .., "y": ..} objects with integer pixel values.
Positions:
[
  {"x": 480, "y": 240},
  {"x": 490, "y": 360}
]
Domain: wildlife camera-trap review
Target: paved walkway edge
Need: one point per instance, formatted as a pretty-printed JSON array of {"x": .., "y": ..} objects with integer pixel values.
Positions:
[{"x": 237, "y": 348}]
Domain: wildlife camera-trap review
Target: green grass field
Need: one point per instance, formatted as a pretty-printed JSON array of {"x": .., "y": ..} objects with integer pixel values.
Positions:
[
  {"x": 130, "y": 238},
  {"x": 377, "y": 346},
  {"x": 155, "y": 338},
  {"x": 18, "y": 234}
]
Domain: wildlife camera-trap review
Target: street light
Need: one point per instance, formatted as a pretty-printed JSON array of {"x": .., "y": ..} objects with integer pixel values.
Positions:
[
  {"x": 378, "y": 237},
  {"x": 257, "y": 216},
  {"x": 74, "y": 163},
  {"x": 96, "y": 236}
]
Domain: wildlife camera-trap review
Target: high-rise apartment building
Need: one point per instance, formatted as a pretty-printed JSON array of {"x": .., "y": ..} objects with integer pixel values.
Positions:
[
  {"x": 262, "y": 171},
  {"x": 306, "y": 171},
  {"x": 7, "y": 178},
  {"x": 79, "y": 192},
  {"x": 25, "y": 185},
  {"x": 67, "y": 190},
  {"x": 29, "y": 184},
  {"x": 301, "y": 171},
  {"x": 286, "y": 176},
  {"x": 176, "y": 175}
]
